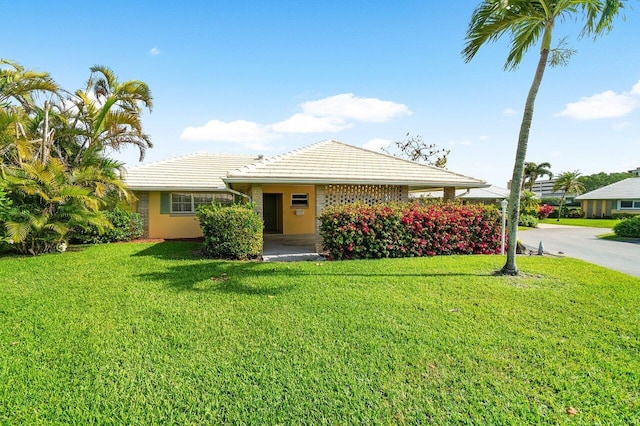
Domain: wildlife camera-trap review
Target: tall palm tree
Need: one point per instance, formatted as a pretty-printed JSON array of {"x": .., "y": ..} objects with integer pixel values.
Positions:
[
  {"x": 568, "y": 183},
  {"x": 533, "y": 171},
  {"x": 530, "y": 22}
]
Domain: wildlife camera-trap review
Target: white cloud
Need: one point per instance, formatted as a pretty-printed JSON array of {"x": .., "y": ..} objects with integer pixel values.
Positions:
[
  {"x": 621, "y": 126},
  {"x": 303, "y": 123},
  {"x": 377, "y": 144},
  {"x": 154, "y": 51},
  {"x": 483, "y": 138},
  {"x": 349, "y": 107},
  {"x": 508, "y": 112},
  {"x": 608, "y": 104},
  {"x": 233, "y": 131},
  {"x": 328, "y": 115}
]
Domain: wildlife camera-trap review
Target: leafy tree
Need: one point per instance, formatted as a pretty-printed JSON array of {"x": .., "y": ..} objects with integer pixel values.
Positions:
[
  {"x": 529, "y": 23},
  {"x": 598, "y": 180},
  {"x": 568, "y": 183},
  {"x": 415, "y": 149},
  {"x": 533, "y": 171}
]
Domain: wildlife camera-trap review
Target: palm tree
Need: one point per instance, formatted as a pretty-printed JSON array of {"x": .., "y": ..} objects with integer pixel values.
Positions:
[
  {"x": 533, "y": 171},
  {"x": 568, "y": 183},
  {"x": 530, "y": 22},
  {"x": 18, "y": 110},
  {"x": 108, "y": 113}
]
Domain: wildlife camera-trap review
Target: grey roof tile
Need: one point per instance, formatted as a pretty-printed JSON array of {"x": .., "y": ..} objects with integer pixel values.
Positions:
[{"x": 628, "y": 189}]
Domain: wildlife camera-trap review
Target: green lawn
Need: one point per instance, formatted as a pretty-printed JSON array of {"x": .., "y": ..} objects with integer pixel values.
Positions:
[
  {"x": 592, "y": 223},
  {"x": 150, "y": 334}
]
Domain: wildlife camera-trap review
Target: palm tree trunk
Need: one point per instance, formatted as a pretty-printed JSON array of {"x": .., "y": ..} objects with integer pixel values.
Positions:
[{"x": 510, "y": 267}]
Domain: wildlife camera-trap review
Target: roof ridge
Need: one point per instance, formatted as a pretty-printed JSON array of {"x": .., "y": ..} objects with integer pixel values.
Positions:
[
  {"x": 276, "y": 158},
  {"x": 185, "y": 156}
]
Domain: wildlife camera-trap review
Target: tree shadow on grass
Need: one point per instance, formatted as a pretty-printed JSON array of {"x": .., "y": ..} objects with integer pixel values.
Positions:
[
  {"x": 175, "y": 250},
  {"x": 222, "y": 277},
  {"x": 258, "y": 278}
]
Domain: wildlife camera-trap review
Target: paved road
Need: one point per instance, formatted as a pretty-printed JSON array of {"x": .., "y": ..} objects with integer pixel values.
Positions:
[{"x": 582, "y": 243}]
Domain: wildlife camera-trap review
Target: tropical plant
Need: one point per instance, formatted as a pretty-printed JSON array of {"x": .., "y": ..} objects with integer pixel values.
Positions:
[
  {"x": 529, "y": 202},
  {"x": 533, "y": 171},
  {"x": 107, "y": 114},
  {"x": 50, "y": 201},
  {"x": 529, "y": 23},
  {"x": 568, "y": 183}
]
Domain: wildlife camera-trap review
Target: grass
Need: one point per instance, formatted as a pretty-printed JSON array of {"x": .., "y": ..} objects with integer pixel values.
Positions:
[
  {"x": 149, "y": 333},
  {"x": 591, "y": 223}
]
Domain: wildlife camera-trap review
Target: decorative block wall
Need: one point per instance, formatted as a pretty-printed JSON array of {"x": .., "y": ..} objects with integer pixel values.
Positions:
[{"x": 369, "y": 194}]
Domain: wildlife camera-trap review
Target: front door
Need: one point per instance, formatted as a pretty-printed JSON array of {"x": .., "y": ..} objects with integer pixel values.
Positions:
[{"x": 272, "y": 212}]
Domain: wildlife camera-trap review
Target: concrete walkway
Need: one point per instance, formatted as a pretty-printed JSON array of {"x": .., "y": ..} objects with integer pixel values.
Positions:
[
  {"x": 278, "y": 251},
  {"x": 583, "y": 243}
]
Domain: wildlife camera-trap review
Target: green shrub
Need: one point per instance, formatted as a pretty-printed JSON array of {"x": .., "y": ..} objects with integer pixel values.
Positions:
[
  {"x": 575, "y": 213},
  {"x": 528, "y": 220},
  {"x": 127, "y": 226},
  {"x": 623, "y": 215},
  {"x": 628, "y": 228},
  {"x": 233, "y": 232},
  {"x": 359, "y": 231}
]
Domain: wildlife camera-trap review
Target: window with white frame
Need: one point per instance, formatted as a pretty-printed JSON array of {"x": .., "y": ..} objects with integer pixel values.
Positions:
[
  {"x": 629, "y": 204},
  {"x": 185, "y": 202},
  {"x": 299, "y": 200}
]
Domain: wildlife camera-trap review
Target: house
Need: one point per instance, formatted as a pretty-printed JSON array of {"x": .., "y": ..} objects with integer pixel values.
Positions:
[
  {"x": 619, "y": 197},
  {"x": 491, "y": 195},
  {"x": 289, "y": 190},
  {"x": 169, "y": 191}
]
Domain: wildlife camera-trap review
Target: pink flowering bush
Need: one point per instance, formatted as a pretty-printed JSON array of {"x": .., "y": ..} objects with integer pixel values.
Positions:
[
  {"x": 544, "y": 211},
  {"x": 359, "y": 231}
]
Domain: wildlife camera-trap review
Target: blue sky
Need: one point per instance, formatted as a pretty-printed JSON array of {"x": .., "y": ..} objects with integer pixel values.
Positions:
[{"x": 267, "y": 77}]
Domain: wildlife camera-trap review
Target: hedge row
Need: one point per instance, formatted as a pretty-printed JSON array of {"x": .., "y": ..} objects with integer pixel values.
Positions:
[{"x": 359, "y": 231}]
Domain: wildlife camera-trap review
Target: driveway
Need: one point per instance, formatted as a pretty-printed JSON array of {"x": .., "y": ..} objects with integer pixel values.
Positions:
[{"x": 583, "y": 243}]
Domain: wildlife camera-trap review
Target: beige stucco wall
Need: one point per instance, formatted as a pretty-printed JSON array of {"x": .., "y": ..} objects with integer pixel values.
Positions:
[{"x": 170, "y": 225}]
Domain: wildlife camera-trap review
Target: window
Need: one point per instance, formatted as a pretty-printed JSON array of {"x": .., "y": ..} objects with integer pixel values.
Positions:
[
  {"x": 183, "y": 202},
  {"x": 299, "y": 200},
  {"x": 630, "y": 204}
]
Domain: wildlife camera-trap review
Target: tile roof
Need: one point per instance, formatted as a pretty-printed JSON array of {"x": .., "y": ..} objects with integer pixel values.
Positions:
[
  {"x": 195, "y": 172},
  {"x": 492, "y": 192},
  {"x": 330, "y": 161},
  {"x": 628, "y": 189}
]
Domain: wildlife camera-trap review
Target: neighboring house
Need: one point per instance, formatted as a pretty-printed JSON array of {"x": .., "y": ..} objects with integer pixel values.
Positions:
[
  {"x": 619, "y": 197},
  {"x": 290, "y": 190},
  {"x": 169, "y": 191},
  {"x": 490, "y": 195}
]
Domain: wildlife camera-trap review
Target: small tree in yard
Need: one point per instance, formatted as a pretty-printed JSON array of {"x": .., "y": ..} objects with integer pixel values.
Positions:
[{"x": 233, "y": 232}]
